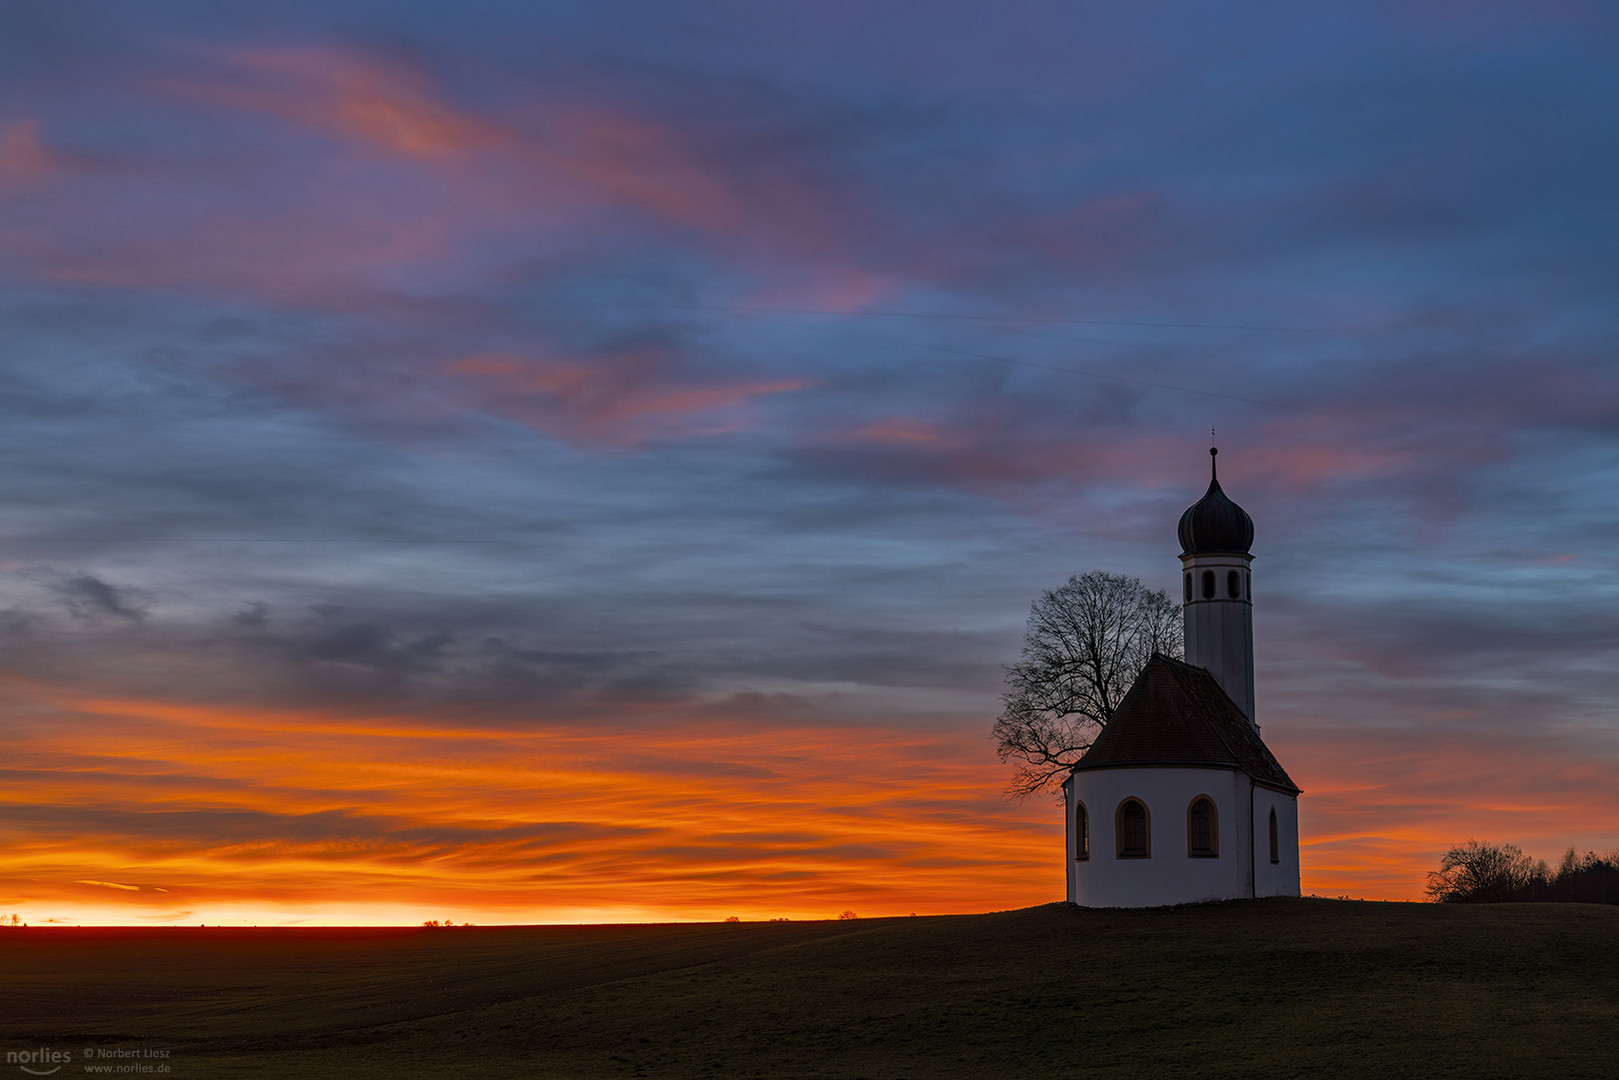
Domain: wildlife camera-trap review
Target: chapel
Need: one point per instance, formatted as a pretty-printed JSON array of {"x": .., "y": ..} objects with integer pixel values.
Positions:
[{"x": 1178, "y": 800}]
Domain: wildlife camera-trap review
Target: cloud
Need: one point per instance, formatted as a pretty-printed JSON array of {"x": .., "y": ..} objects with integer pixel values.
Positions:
[
  {"x": 533, "y": 818},
  {"x": 328, "y": 176},
  {"x": 25, "y": 161},
  {"x": 434, "y": 434},
  {"x": 617, "y": 398},
  {"x": 89, "y": 598},
  {"x": 369, "y": 99}
]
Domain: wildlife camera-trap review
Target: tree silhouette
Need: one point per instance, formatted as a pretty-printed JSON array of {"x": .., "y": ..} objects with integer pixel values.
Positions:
[
  {"x": 1085, "y": 643},
  {"x": 1484, "y": 873}
]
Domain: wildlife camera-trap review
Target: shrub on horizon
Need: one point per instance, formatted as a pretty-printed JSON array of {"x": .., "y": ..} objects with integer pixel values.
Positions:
[{"x": 1485, "y": 873}]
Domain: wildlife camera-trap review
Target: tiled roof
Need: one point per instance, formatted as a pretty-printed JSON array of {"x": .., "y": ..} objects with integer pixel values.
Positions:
[{"x": 1177, "y": 714}]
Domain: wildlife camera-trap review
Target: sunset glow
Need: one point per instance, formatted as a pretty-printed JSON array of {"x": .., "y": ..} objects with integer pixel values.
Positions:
[{"x": 480, "y": 464}]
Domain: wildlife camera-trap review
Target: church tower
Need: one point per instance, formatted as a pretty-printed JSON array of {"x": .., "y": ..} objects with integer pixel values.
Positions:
[
  {"x": 1218, "y": 612},
  {"x": 1178, "y": 800}
]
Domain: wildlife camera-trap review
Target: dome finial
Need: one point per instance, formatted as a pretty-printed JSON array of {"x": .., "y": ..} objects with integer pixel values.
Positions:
[{"x": 1215, "y": 524}]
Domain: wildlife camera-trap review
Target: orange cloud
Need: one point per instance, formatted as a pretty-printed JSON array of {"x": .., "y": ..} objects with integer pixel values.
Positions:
[
  {"x": 706, "y": 818},
  {"x": 110, "y": 885},
  {"x": 1379, "y": 810},
  {"x": 132, "y": 809}
]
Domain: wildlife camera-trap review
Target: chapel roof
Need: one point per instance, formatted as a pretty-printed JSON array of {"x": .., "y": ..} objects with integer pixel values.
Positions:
[
  {"x": 1177, "y": 714},
  {"x": 1215, "y": 524}
]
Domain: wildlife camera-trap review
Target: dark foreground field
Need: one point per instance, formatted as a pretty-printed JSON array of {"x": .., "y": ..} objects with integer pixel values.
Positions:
[{"x": 1271, "y": 988}]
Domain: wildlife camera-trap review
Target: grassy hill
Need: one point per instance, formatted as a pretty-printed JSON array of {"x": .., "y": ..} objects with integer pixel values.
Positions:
[{"x": 1288, "y": 988}]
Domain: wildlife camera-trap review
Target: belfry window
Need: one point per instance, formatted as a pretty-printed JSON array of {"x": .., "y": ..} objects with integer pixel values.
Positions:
[
  {"x": 1275, "y": 846},
  {"x": 1188, "y": 588},
  {"x": 1082, "y": 832},
  {"x": 1233, "y": 585},
  {"x": 1202, "y": 829},
  {"x": 1208, "y": 584},
  {"x": 1134, "y": 830}
]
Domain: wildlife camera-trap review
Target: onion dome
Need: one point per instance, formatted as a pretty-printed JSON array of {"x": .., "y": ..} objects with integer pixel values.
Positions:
[{"x": 1214, "y": 524}]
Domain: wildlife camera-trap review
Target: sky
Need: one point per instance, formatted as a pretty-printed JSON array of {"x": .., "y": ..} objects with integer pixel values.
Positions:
[{"x": 514, "y": 462}]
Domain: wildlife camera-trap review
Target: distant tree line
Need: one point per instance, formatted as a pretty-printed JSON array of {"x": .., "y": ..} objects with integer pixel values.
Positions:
[{"x": 1480, "y": 873}]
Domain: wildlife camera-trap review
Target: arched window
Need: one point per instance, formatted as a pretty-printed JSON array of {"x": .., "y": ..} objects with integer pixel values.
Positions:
[
  {"x": 1188, "y": 588},
  {"x": 1208, "y": 584},
  {"x": 1082, "y": 832},
  {"x": 1202, "y": 829},
  {"x": 1135, "y": 830},
  {"x": 1233, "y": 585},
  {"x": 1248, "y": 587},
  {"x": 1275, "y": 845}
]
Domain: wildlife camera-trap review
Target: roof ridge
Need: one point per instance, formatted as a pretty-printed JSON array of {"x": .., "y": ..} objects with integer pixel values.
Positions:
[
  {"x": 1229, "y": 749},
  {"x": 1177, "y": 713},
  {"x": 1178, "y": 662},
  {"x": 1187, "y": 666}
]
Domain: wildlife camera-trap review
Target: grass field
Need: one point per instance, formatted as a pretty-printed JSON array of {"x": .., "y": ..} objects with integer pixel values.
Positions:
[{"x": 1285, "y": 988}]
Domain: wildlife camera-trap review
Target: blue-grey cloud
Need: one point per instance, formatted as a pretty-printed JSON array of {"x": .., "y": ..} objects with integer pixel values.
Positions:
[{"x": 500, "y": 365}]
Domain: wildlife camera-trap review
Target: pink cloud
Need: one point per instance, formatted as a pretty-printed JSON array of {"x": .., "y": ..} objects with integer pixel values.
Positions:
[
  {"x": 620, "y": 399},
  {"x": 403, "y": 186},
  {"x": 1310, "y": 464},
  {"x": 24, "y": 160},
  {"x": 578, "y": 154},
  {"x": 821, "y": 288},
  {"x": 366, "y": 99},
  {"x": 989, "y": 448},
  {"x": 324, "y": 253},
  {"x": 631, "y": 160},
  {"x": 900, "y": 430},
  {"x": 1113, "y": 229},
  {"x": 561, "y": 162}
]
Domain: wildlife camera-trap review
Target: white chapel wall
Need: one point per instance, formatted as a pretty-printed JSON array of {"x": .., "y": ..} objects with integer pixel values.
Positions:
[
  {"x": 1169, "y": 875},
  {"x": 1279, "y": 878}
]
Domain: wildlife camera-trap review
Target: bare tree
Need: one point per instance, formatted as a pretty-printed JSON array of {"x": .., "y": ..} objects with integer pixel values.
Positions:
[
  {"x": 1484, "y": 873},
  {"x": 1086, "y": 642}
]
